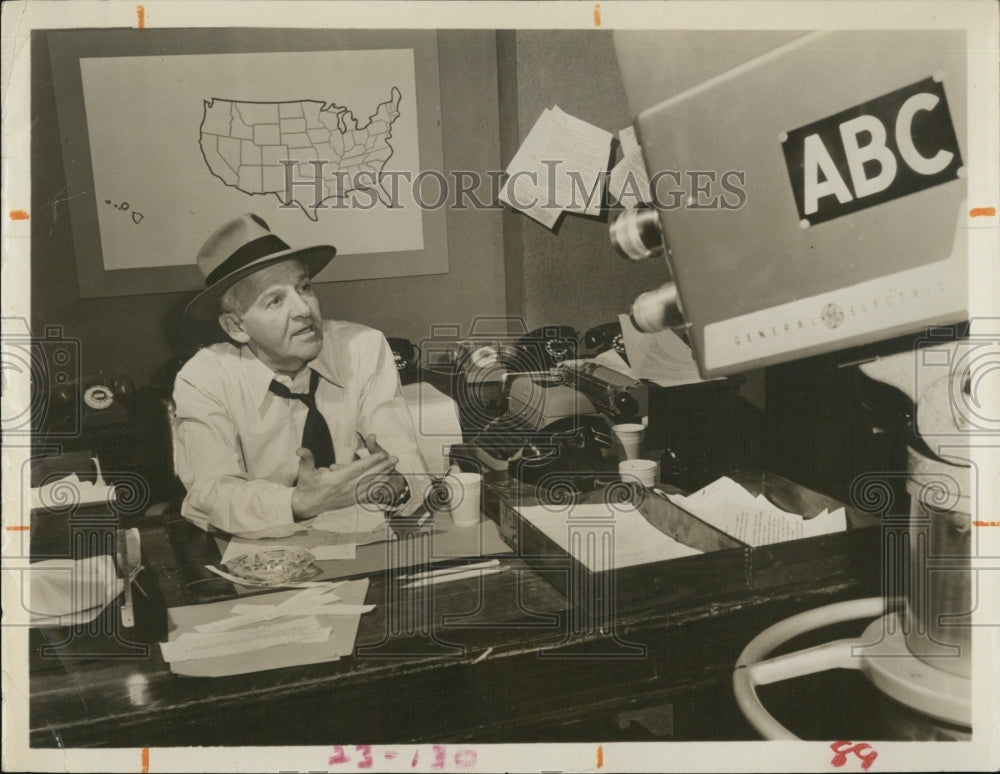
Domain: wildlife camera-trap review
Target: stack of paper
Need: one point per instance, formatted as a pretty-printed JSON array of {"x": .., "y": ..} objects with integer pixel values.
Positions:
[
  {"x": 560, "y": 166},
  {"x": 755, "y": 521},
  {"x": 628, "y": 182},
  {"x": 602, "y": 538},
  {"x": 284, "y": 628}
]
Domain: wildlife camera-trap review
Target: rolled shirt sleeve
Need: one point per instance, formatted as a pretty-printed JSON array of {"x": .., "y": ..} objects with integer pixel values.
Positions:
[
  {"x": 208, "y": 460},
  {"x": 383, "y": 411}
]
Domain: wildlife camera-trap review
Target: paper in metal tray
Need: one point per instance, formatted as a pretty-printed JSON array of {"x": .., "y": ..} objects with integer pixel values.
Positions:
[{"x": 726, "y": 568}]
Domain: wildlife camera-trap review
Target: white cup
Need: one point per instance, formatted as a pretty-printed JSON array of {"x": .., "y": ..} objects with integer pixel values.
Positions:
[
  {"x": 643, "y": 471},
  {"x": 630, "y": 437},
  {"x": 464, "y": 493}
]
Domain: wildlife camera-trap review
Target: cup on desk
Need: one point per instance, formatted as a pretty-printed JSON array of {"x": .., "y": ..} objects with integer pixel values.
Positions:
[
  {"x": 464, "y": 492},
  {"x": 643, "y": 471},
  {"x": 629, "y": 438}
]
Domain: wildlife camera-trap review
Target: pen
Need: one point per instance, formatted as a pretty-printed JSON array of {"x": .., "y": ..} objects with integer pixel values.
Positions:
[
  {"x": 434, "y": 580},
  {"x": 452, "y": 568},
  {"x": 127, "y": 612}
]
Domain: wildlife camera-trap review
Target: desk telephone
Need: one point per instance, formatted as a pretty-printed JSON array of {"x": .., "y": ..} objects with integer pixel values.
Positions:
[
  {"x": 406, "y": 355},
  {"x": 601, "y": 338},
  {"x": 89, "y": 402}
]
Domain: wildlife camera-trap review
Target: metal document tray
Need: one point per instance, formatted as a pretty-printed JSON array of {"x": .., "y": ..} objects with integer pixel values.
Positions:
[{"x": 726, "y": 569}]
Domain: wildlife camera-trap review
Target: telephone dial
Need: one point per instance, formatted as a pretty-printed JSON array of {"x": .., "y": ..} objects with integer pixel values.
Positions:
[
  {"x": 551, "y": 345},
  {"x": 601, "y": 338}
]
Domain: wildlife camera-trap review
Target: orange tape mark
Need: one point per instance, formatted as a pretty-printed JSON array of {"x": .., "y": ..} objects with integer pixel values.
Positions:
[
  {"x": 19, "y": 215},
  {"x": 145, "y": 750},
  {"x": 979, "y": 212},
  {"x": 600, "y": 756},
  {"x": 597, "y": 14},
  {"x": 19, "y": 528},
  {"x": 977, "y": 523},
  {"x": 140, "y": 11}
]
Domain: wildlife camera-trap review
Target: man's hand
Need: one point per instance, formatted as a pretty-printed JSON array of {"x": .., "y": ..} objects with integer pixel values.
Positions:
[
  {"x": 393, "y": 486},
  {"x": 338, "y": 486}
]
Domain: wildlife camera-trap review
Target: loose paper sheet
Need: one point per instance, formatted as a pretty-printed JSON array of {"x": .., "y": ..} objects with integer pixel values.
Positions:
[
  {"x": 318, "y": 600},
  {"x": 660, "y": 357},
  {"x": 192, "y": 646},
  {"x": 755, "y": 521},
  {"x": 560, "y": 166},
  {"x": 584, "y": 149},
  {"x": 347, "y": 521},
  {"x": 331, "y": 535},
  {"x": 628, "y": 182},
  {"x": 602, "y": 538},
  {"x": 614, "y": 361},
  {"x": 524, "y": 188}
]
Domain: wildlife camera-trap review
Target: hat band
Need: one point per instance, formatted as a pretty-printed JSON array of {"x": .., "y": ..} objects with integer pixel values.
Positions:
[{"x": 261, "y": 247}]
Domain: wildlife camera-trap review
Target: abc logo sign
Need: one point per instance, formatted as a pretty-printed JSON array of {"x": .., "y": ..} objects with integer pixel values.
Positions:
[{"x": 891, "y": 146}]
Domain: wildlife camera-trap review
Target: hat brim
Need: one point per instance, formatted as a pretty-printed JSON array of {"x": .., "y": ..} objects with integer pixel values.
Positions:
[{"x": 205, "y": 306}]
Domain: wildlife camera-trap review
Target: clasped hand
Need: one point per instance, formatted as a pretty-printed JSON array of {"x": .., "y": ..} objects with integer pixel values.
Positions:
[{"x": 373, "y": 479}]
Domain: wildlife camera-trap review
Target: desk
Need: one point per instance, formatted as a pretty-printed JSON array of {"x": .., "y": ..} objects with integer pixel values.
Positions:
[{"x": 485, "y": 660}]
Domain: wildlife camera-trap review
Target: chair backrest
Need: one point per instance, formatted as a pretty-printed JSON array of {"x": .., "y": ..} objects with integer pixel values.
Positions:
[
  {"x": 435, "y": 419},
  {"x": 175, "y": 489}
]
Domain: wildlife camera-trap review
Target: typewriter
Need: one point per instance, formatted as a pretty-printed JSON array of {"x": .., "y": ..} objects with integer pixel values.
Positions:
[{"x": 558, "y": 419}]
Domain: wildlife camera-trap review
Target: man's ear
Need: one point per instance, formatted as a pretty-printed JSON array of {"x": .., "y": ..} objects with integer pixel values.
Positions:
[{"x": 233, "y": 327}]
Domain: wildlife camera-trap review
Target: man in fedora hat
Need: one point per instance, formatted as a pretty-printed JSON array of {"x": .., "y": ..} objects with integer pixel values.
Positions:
[{"x": 267, "y": 425}]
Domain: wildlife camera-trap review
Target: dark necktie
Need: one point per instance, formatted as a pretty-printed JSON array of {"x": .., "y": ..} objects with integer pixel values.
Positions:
[{"x": 316, "y": 433}]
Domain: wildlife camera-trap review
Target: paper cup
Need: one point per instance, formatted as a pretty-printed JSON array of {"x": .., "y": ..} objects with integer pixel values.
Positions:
[
  {"x": 464, "y": 493},
  {"x": 643, "y": 471},
  {"x": 629, "y": 438}
]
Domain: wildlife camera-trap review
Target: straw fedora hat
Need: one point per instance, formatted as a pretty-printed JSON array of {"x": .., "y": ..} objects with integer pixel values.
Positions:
[{"x": 239, "y": 248}]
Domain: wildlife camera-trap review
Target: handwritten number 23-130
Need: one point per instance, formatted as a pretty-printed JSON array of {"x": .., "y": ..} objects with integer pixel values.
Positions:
[{"x": 464, "y": 758}]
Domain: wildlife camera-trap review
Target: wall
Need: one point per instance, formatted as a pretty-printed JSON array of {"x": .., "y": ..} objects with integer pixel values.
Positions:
[
  {"x": 136, "y": 335},
  {"x": 571, "y": 276}
]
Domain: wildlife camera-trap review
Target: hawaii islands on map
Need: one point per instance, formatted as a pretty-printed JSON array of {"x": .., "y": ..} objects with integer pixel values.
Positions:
[{"x": 245, "y": 143}]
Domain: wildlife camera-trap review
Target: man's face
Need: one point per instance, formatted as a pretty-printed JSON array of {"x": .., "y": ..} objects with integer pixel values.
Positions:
[{"x": 283, "y": 323}]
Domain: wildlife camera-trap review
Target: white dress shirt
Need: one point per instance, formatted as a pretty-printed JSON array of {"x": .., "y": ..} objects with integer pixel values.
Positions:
[{"x": 235, "y": 440}]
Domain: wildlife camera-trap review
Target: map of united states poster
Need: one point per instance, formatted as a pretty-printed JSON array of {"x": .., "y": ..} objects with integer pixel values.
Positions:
[
  {"x": 277, "y": 148},
  {"x": 180, "y": 143}
]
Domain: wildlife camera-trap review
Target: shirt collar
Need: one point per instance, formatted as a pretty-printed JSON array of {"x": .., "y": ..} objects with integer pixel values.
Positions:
[
  {"x": 259, "y": 376},
  {"x": 325, "y": 363}
]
